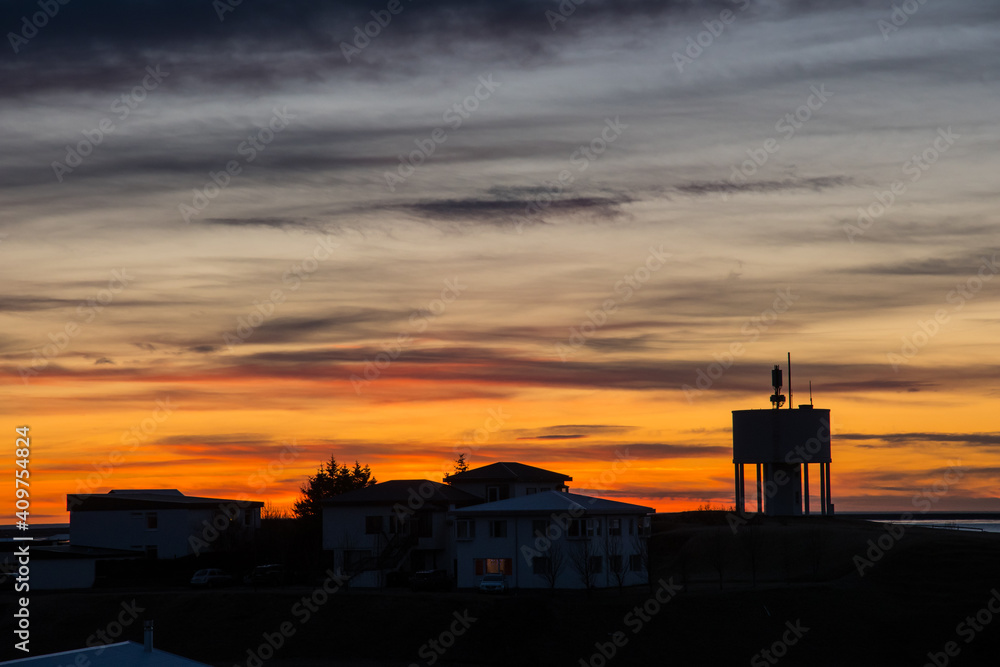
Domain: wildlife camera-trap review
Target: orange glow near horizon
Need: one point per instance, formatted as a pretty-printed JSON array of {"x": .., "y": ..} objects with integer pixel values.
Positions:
[{"x": 268, "y": 453}]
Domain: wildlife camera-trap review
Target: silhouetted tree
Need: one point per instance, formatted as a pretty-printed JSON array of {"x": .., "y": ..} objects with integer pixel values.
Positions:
[
  {"x": 583, "y": 558},
  {"x": 460, "y": 466},
  {"x": 330, "y": 480},
  {"x": 618, "y": 565},
  {"x": 272, "y": 511},
  {"x": 555, "y": 563}
]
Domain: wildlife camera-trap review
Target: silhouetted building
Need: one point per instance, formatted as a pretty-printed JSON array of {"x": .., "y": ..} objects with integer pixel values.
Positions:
[{"x": 782, "y": 444}]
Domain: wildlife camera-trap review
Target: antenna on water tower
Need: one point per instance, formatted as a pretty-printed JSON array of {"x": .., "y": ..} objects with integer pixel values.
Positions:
[
  {"x": 777, "y": 400},
  {"x": 790, "y": 381}
]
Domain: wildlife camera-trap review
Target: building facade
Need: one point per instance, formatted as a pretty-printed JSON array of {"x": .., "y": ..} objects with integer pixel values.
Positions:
[{"x": 160, "y": 523}]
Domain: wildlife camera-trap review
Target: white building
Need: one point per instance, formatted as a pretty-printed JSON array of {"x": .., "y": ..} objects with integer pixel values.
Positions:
[
  {"x": 553, "y": 539},
  {"x": 161, "y": 523},
  {"x": 508, "y": 479},
  {"x": 485, "y": 520},
  {"x": 396, "y": 526}
]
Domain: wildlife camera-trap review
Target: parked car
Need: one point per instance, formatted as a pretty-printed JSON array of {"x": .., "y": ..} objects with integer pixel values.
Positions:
[
  {"x": 431, "y": 580},
  {"x": 267, "y": 575},
  {"x": 493, "y": 583},
  {"x": 211, "y": 578}
]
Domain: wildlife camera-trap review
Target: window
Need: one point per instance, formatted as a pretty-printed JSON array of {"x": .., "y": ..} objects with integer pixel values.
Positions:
[
  {"x": 465, "y": 529},
  {"x": 593, "y": 527},
  {"x": 425, "y": 526},
  {"x": 152, "y": 551},
  {"x": 635, "y": 563},
  {"x": 615, "y": 562},
  {"x": 645, "y": 530},
  {"x": 576, "y": 528},
  {"x": 493, "y": 566},
  {"x": 614, "y": 526},
  {"x": 247, "y": 518},
  {"x": 596, "y": 564},
  {"x": 498, "y": 528},
  {"x": 492, "y": 494},
  {"x": 151, "y": 522},
  {"x": 541, "y": 565},
  {"x": 540, "y": 527},
  {"x": 373, "y": 525},
  {"x": 531, "y": 490},
  {"x": 631, "y": 526}
]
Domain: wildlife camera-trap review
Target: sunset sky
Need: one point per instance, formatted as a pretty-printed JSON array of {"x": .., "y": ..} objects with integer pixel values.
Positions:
[{"x": 250, "y": 235}]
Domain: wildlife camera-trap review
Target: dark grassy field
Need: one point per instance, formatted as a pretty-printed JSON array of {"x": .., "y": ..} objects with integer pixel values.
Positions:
[{"x": 802, "y": 574}]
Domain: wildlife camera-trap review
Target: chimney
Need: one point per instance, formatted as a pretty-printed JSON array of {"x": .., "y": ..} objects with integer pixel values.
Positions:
[{"x": 147, "y": 636}]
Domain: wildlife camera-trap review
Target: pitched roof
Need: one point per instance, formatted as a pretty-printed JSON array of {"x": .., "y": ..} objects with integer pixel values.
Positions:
[
  {"x": 110, "y": 655},
  {"x": 402, "y": 491},
  {"x": 547, "y": 502},
  {"x": 147, "y": 499},
  {"x": 510, "y": 471}
]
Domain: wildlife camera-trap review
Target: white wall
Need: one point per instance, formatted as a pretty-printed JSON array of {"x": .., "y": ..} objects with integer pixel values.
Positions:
[
  {"x": 126, "y": 529},
  {"x": 344, "y": 529},
  {"x": 520, "y": 546}
]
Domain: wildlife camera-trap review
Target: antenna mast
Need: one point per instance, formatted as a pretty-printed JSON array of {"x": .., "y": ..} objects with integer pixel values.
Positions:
[{"x": 790, "y": 381}]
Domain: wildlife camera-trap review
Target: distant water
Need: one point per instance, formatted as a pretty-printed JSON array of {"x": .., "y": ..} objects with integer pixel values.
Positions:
[{"x": 964, "y": 526}]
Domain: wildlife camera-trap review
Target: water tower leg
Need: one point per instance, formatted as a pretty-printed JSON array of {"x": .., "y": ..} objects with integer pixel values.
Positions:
[
  {"x": 822, "y": 489},
  {"x": 829, "y": 498},
  {"x": 805, "y": 485},
  {"x": 760, "y": 497}
]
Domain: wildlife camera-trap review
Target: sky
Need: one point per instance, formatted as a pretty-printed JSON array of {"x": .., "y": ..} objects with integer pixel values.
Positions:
[{"x": 239, "y": 238}]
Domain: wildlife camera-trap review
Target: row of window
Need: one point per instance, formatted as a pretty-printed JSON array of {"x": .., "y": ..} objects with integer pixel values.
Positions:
[
  {"x": 421, "y": 525},
  {"x": 465, "y": 529},
  {"x": 543, "y": 564}
]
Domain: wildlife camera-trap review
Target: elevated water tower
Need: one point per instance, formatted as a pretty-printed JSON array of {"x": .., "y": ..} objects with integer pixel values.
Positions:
[{"x": 782, "y": 444}]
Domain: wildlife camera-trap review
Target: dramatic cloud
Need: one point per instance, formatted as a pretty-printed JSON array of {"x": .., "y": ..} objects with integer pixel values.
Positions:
[{"x": 505, "y": 228}]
